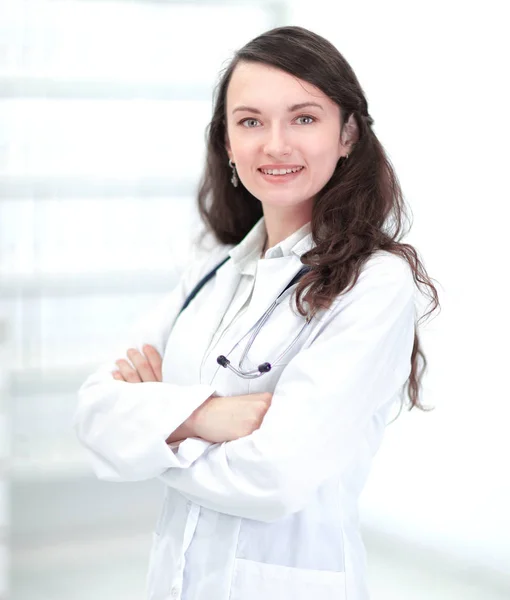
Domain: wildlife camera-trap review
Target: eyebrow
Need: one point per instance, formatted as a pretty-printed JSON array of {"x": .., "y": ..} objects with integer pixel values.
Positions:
[{"x": 292, "y": 108}]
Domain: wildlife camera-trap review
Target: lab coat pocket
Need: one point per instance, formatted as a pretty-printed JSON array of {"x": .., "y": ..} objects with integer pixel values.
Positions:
[{"x": 254, "y": 580}]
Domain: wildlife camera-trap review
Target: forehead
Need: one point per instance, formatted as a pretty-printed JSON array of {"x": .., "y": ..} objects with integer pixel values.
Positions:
[{"x": 263, "y": 86}]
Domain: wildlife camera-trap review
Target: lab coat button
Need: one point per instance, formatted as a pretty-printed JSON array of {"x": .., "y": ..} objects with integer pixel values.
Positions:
[{"x": 174, "y": 592}]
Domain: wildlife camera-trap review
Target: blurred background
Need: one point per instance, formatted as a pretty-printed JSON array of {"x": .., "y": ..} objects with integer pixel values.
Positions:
[{"x": 103, "y": 107}]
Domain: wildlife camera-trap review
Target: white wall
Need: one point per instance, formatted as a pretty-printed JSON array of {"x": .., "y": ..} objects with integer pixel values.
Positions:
[
  {"x": 436, "y": 78},
  {"x": 4, "y": 463}
]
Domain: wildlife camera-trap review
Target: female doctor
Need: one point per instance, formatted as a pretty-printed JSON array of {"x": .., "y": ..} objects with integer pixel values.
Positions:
[{"x": 259, "y": 390}]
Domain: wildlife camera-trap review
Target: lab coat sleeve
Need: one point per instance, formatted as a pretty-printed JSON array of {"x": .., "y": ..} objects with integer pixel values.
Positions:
[
  {"x": 322, "y": 404},
  {"x": 124, "y": 426}
]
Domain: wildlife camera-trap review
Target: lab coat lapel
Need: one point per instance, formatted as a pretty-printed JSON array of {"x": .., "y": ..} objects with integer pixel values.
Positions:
[
  {"x": 225, "y": 283},
  {"x": 272, "y": 277}
]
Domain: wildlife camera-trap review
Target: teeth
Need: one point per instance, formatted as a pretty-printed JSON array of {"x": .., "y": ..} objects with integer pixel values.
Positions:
[{"x": 280, "y": 171}]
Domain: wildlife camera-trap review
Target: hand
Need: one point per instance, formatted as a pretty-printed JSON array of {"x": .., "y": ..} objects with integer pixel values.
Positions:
[
  {"x": 147, "y": 366},
  {"x": 227, "y": 418}
]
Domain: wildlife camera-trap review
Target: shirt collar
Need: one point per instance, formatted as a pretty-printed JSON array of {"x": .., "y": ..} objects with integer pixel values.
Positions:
[
  {"x": 297, "y": 243},
  {"x": 246, "y": 254}
]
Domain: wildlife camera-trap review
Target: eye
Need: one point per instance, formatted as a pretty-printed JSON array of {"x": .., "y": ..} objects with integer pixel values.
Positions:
[
  {"x": 249, "y": 123},
  {"x": 308, "y": 122}
]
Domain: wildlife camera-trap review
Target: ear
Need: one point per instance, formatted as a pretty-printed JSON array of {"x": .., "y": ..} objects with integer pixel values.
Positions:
[{"x": 349, "y": 135}]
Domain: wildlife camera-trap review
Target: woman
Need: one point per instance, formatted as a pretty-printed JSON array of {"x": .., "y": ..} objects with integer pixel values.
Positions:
[{"x": 266, "y": 408}]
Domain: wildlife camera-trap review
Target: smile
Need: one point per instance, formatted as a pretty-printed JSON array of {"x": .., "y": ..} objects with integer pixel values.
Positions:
[
  {"x": 280, "y": 177},
  {"x": 280, "y": 172}
]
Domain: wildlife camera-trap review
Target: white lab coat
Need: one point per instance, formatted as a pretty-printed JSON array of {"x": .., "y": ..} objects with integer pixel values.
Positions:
[{"x": 272, "y": 515}]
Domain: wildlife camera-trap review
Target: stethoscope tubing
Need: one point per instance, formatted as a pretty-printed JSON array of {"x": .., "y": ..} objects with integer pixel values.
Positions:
[{"x": 265, "y": 367}]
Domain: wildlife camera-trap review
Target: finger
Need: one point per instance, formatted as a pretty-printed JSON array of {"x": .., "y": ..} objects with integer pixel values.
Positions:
[
  {"x": 155, "y": 360},
  {"x": 117, "y": 375},
  {"x": 127, "y": 371},
  {"x": 141, "y": 364}
]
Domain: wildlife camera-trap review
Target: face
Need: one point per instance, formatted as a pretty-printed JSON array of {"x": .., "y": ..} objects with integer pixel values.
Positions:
[{"x": 277, "y": 123}]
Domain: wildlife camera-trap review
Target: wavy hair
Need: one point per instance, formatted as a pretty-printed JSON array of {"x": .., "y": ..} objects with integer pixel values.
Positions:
[{"x": 359, "y": 211}]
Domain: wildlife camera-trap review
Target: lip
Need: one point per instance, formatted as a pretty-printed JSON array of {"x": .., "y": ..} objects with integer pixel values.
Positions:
[
  {"x": 281, "y": 166},
  {"x": 280, "y": 179}
]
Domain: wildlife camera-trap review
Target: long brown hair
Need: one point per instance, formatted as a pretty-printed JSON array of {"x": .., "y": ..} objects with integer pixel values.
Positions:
[{"x": 360, "y": 210}]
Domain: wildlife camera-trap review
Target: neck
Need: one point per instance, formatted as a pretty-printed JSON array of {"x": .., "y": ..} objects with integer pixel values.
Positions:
[{"x": 284, "y": 221}]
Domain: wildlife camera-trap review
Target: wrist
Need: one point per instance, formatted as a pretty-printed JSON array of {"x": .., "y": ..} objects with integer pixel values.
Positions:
[
  {"x": 180, "y": 434},
  {"x": 196, "y": 422},
  {"x": 192, "y": 423},
  {"x": 187, "y": 429}
]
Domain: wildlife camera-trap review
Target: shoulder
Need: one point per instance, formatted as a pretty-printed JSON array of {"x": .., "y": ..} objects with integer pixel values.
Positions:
[
  {"x": 205, "y": 253},
  {"x": 380, "y": 301},
  {"x": 384, "y": 265},
  {"x": 384, "y": 279}
]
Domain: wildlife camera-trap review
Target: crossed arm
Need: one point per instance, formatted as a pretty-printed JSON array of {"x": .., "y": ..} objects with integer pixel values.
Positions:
[
  {"x": 319, "y": 417},
  {"x": 218, "y": 419}
]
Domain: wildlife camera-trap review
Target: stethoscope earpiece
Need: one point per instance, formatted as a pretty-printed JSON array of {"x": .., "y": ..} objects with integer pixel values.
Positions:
[{"x": 223, "y": 361}]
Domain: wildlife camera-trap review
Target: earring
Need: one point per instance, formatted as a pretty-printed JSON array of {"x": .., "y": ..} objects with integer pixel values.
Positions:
[{"x": 234, "y": 179}]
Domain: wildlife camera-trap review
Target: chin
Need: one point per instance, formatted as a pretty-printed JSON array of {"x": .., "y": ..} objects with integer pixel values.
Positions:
[{"x": 282, "y": 200}]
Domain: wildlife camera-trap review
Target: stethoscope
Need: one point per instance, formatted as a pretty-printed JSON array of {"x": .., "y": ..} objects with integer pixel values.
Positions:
[
  {"x": 265, "y": 367},
  {"x": 255, "y": 330}
]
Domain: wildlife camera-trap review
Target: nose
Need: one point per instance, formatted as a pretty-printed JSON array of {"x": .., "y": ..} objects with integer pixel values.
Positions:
[{"x": 277, "y": 142}]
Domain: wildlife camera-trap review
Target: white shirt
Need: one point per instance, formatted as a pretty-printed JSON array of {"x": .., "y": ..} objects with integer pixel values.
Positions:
[{"x": 272, "y": 515}]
